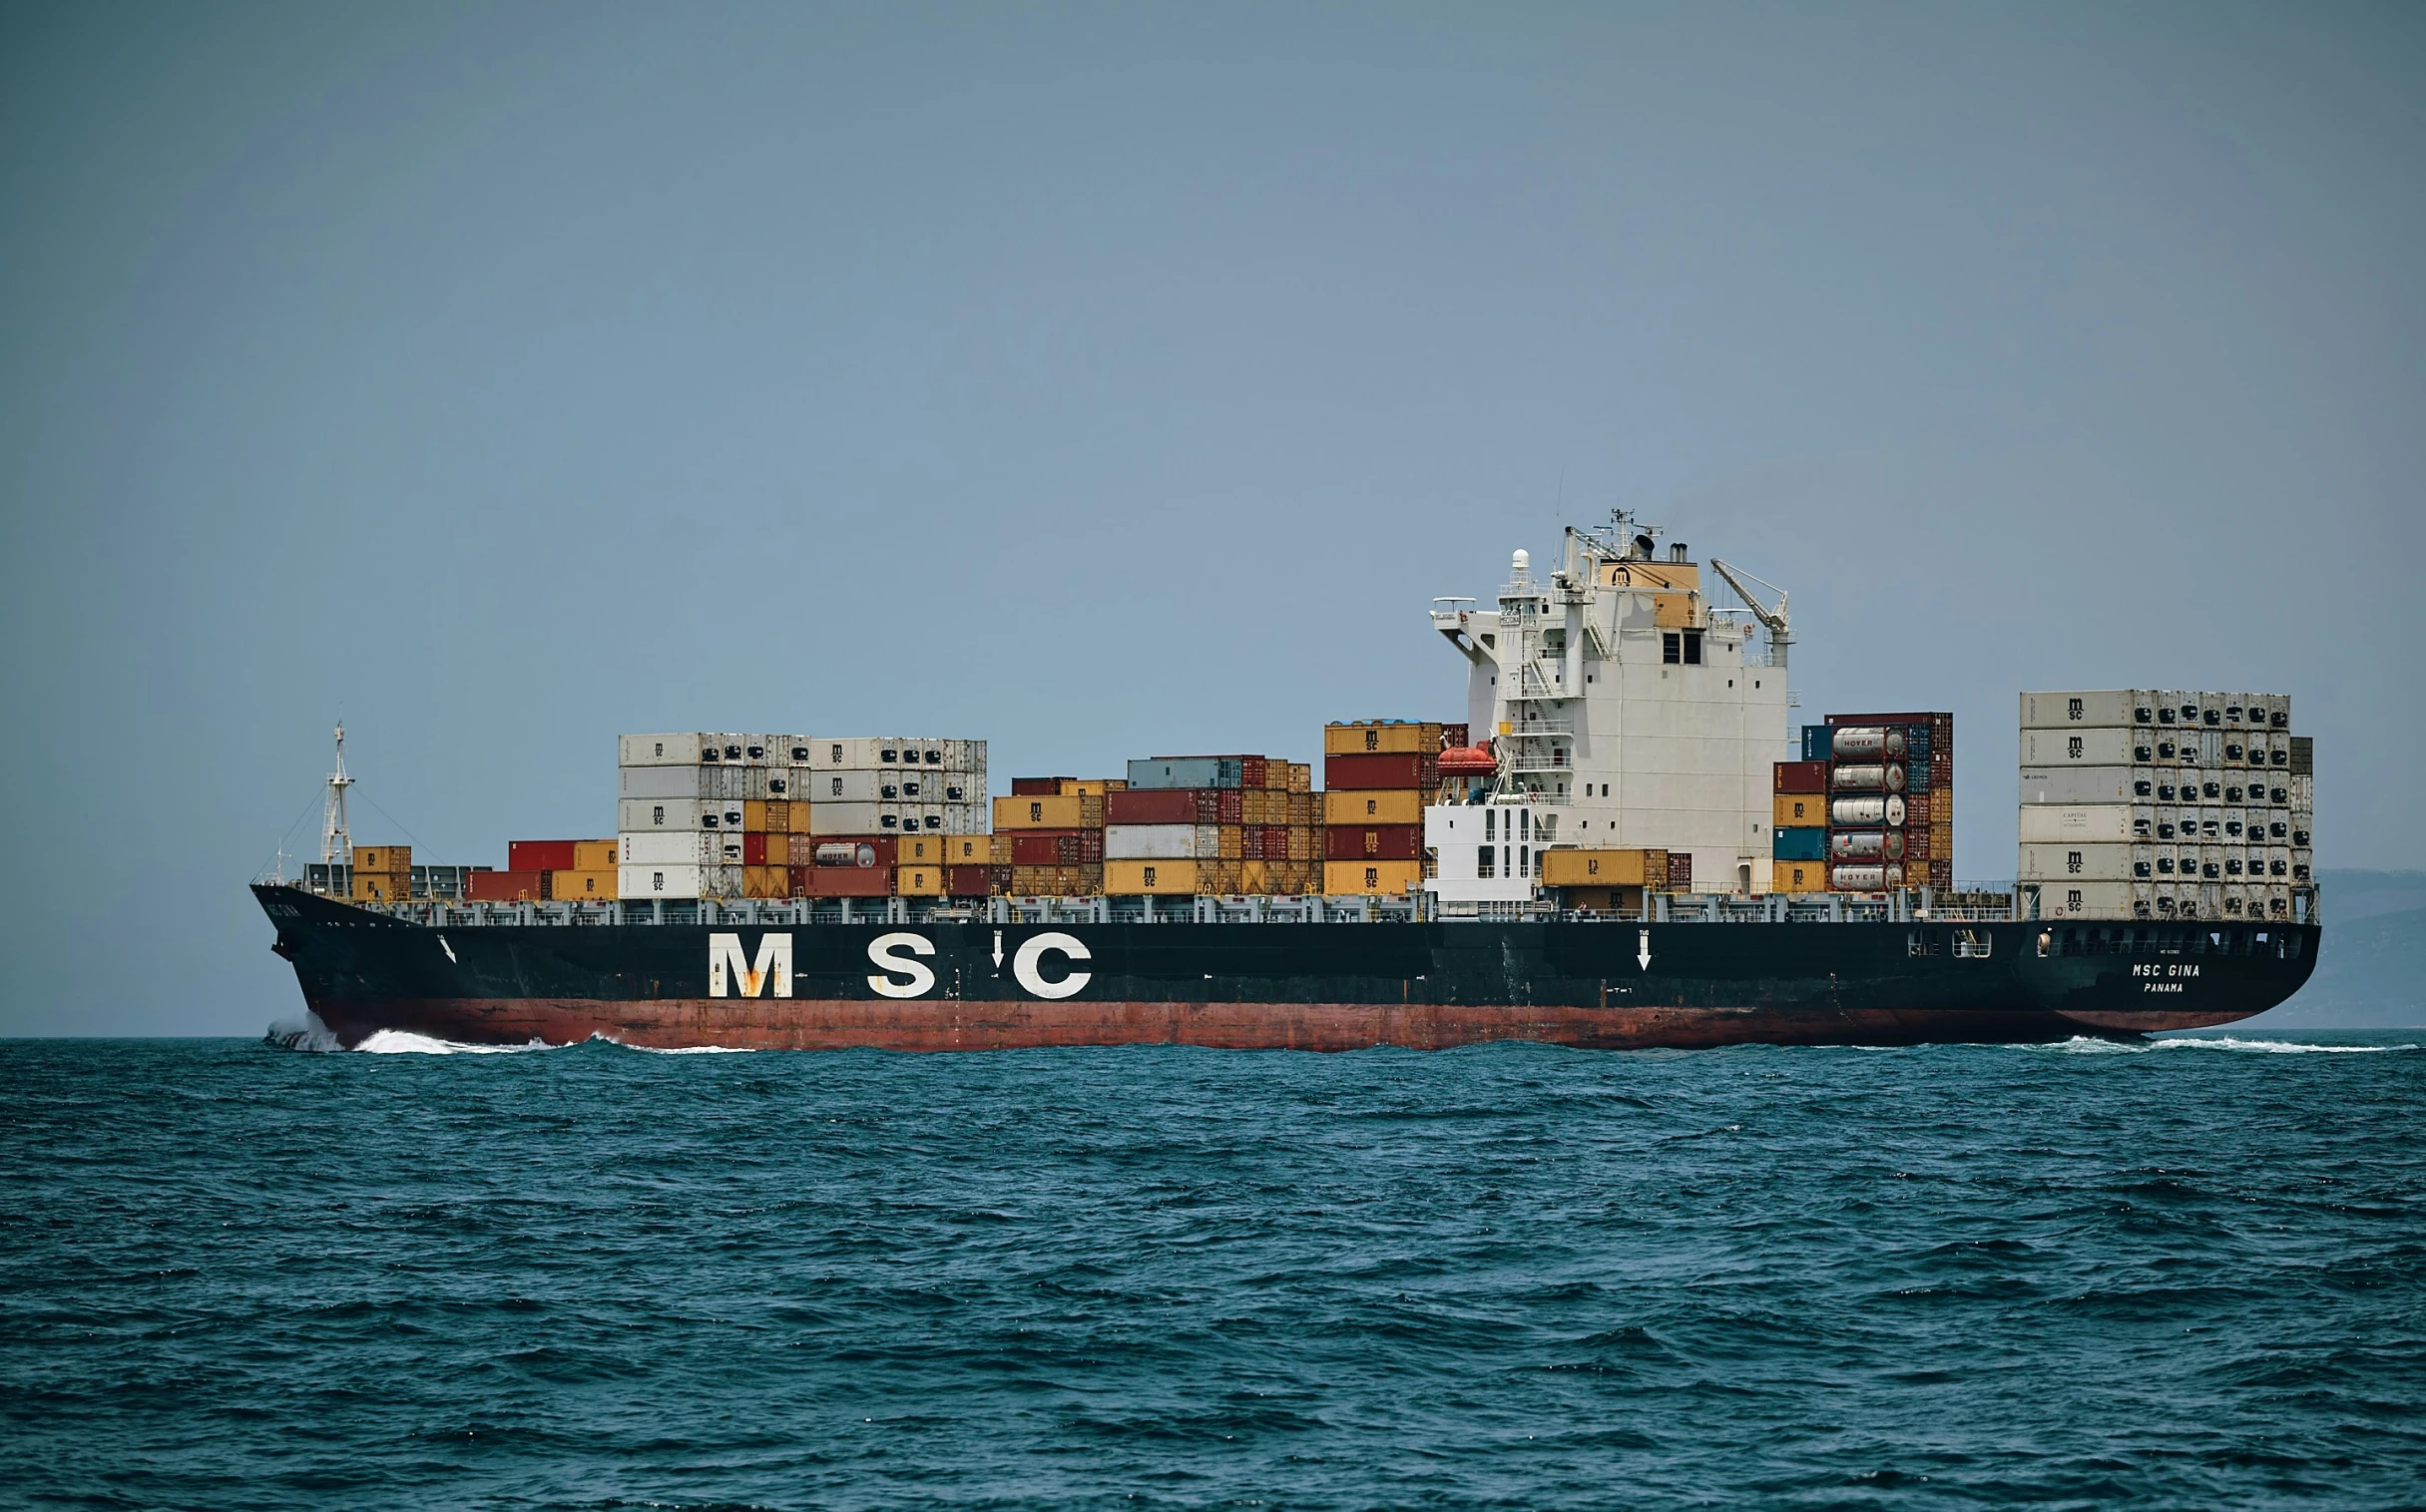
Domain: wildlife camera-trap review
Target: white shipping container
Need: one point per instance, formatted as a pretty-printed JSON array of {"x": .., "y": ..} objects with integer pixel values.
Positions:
[
  {"x": 2097, "y": 863},
  {"x": 680, "y": 848},
  {"x": 840, "y": 784},
  {"x": 966, "y": 819},
  {"x": 2097, "y": 900},
  {"x": 634, "y": 815},
  {"x": 2087, "y": 709},
  {"x": 2086, "y": 748},
  {"x": 679, "y": 750},
  {"x": 2090, "y": 785},
  {"x": 1162, "y": 843},
  {"x": 681, "y": 783},
  {"x": 2075, "y": 823},
  {"x": 640, "y": 884},
  {"x": 848, "y": 819}
]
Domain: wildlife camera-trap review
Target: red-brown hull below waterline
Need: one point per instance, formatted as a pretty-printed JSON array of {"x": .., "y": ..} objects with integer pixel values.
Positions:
[{"x": 810, "y": 1024}]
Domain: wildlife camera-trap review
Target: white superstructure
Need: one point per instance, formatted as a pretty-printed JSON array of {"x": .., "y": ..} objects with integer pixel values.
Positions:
[{"x": 1625, "y": 712}]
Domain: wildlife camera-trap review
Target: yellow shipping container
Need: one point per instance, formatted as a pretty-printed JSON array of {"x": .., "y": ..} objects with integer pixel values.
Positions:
[
  {"x": 1302, "y": 842},
  {"x": 1162, "y": 879},
  {"x": 381, "y": 886},
  {"x": 767, "y": 816},
  {"x": 766, "y": 881},
  {"x": 1255, "y": 806},
  {"x": 1373, "y": 735},
  {"x": 387, "y": 858},
  {"x": 1072, "y": 787},
  {"x": 918, "y": 881},
  {"x": 1065, "y": 812},
  {"x": 1000, "y": 852},
  {"x": 1390, "y": 879},
  {"x": 1255, "y": 877},
  {"x": 1300, "y": 777},
  {"x": 589, "y": 884},
  {"x": 1234, "y": 842},
  {"x": 1388, "y": 806},
  {"x": 969, "y": 851},
  {"x": 922, "y": 850},
  {"x": 1799, "y": 876},
  {"x": 1799, "y": 810},
  {"x": 1604, "y": 868}
]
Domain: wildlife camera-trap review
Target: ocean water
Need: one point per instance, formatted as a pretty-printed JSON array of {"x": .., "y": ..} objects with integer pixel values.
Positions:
[{"x": 2184, "y": 1276}]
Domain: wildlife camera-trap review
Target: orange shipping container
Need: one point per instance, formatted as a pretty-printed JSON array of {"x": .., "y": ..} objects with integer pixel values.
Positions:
[
  {"x": 587, "y": 884},
  {"x": 596, "y": 855},
  {"x": 1064, "y": 812},
  {"x": 1379, "y": 805}
]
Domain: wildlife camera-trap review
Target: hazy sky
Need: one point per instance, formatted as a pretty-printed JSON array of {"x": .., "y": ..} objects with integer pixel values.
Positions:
[{"x": 1112, "y": 381}]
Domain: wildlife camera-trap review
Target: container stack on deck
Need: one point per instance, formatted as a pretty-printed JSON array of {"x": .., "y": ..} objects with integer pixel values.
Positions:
[
  {"x": 886, "y": 815},
  {"x": 1212, "y": 825},
  {"x": 1890, "y": 801},
  {"x": 2149, "y": 803},
  {"x": 382, "y": 874},
  {"x": 1049, "y": 836},
  {"x": 1798, "y": 820},
  {"x": 1377, "y": 775}
]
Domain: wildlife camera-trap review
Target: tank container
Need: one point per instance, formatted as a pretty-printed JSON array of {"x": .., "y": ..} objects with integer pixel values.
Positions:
[{"x": 1873, "y": 743}]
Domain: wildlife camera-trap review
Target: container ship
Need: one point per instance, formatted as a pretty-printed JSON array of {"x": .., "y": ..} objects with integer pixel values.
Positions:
[{"x": 1623, "y": 845}]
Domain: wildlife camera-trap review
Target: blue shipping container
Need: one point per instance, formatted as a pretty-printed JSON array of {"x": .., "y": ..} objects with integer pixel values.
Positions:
[
  {"x": 1816, "y": 743},
  {"x": 1799, "y": 844},
  {"x": 1188, "y": 771}
]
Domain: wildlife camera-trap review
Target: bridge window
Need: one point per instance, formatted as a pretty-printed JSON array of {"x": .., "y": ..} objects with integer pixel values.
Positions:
[
  {"x": 1692, "y": 648},
  {"x": 1484, "y": 856},
  {"x": 1672, "y": 648}
]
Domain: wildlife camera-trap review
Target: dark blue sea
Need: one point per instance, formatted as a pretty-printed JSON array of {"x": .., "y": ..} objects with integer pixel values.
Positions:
[{"x": 2089, "y": 1276}]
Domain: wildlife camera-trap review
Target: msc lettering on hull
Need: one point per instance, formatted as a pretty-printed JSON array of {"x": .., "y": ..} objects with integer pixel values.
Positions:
[
  {"x": 901, "y": 974},
  {"x": 726, "y": 963}
]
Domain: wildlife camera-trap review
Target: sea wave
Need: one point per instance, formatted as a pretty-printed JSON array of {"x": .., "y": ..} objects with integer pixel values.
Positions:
[
  {"x": 2082, "y": 1044},
  {"x": 403, "y": 1042}
]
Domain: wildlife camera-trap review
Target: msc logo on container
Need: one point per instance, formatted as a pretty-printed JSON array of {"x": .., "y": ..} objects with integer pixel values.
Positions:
[{"x": 728, "y": 966}]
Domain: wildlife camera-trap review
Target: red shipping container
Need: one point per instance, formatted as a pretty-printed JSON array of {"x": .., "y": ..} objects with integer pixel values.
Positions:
[
  {"x": 754, "y": 849},
  {"x": 842, "y": 881},
  {"x": 1916, "y": 811},
  {"x": 508, "y": 887},
  {"x": 537, "y": 855},
  {"x": 1056, "y": 848},
  {"x": 1037, "y": 788},
  {"x": 1453, "y": 737},
  {"x": 1680, "y": 871},
  {"x": 968, "y": 882},
  {"x": 1373, "y": 843},
  {"x": 1801, "y": 776},
  {"x": 999, "y": 878},
  {"x": 1367, "y": 772}
]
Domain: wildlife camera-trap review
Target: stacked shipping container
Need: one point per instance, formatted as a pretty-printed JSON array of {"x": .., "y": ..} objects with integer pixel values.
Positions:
[
  {"x": 1221, "y": 824},
  {"x": 1870, "y": 806},
  {"x": 2151, "y": 803},
  {"x": 887, "y": 816},
  {"x": 382, "y": 874},
  {"x": 1049, "y": 836},
  {"x": 773, "y": 816},
  {"x": 1377, "y": 775}
]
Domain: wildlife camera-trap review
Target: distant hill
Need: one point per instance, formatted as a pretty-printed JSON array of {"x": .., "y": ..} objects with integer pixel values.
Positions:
[{"x": 2371, "y": 973}]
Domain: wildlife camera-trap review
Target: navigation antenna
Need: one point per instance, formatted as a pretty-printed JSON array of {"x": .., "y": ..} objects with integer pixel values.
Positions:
[
  {"x": 336, "y": 842},
  {"x": 1773, "y": 620}
]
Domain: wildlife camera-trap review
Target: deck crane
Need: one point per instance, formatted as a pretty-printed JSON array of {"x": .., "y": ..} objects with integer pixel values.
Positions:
[{"x": 1773, "y": 620}]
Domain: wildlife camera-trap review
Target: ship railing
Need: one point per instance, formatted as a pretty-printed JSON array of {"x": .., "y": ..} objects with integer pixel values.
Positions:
[
  {"x": 1525, "y": 729},
  {"x": 1909, "y": 907}
]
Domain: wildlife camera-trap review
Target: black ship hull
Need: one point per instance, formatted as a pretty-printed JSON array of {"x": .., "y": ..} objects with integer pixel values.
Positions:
[{"x": 952, "y": 986}]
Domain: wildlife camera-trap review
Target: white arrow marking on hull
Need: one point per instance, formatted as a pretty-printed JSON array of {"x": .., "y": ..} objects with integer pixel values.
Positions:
[
  {"x": 1644, "y": 958},
  {"x": 998, "y": 950},
  {"x": 449, "y": 950}
]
